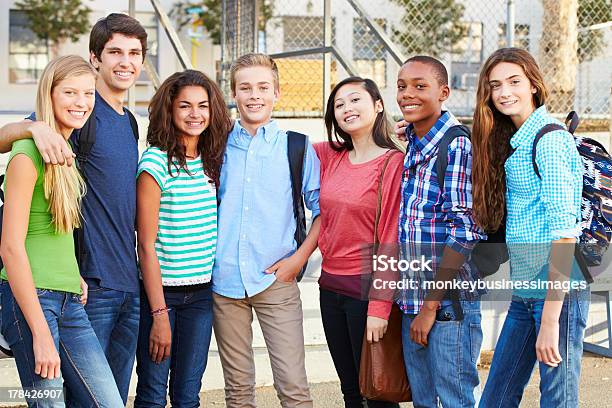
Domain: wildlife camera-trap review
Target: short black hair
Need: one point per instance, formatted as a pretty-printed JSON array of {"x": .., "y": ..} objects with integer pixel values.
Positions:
[{"x": 439, "y": 70}]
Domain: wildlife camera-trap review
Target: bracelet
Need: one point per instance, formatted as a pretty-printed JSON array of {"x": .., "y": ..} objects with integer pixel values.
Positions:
[{"x": 160, "y": 311}]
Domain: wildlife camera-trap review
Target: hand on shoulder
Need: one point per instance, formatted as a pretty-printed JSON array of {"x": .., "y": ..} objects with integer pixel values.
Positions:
[{"x": 52, "y": 146}]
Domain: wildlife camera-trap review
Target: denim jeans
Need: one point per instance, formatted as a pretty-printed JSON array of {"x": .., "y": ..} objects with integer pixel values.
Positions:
[
  {"x": 84, "y": 370},
  {"x": 191, "y": 316},
  {"x": 445, "y": 371},
  {"x": 515, "y": 355},
  {"x": 344, "y": 322},
  {"x": 114, "y": 317}
]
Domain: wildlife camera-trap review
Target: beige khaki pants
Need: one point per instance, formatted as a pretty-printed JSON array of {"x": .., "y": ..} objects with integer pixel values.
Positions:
[{"x": 279, "y": 311}]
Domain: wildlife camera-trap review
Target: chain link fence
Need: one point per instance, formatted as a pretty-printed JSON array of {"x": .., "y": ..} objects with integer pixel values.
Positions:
[
  {"x": 239, "y": 19},
  {"x": 462, "y": 33}
]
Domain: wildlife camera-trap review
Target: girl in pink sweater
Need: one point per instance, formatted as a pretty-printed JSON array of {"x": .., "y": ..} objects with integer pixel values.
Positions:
[{"x": 359, "y": 159}]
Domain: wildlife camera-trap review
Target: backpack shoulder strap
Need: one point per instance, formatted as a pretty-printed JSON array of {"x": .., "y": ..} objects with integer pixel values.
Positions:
[
  {"x": 571, "y": 122},
  {"x": 442, "y": 161},
  {"x": 86, "y": 139},
  {"x": 296, "y": 153},
  {"x": 133, "y": 123},
  {"x": 551, "y": 127},
  {"x": 1, "y": 190}
]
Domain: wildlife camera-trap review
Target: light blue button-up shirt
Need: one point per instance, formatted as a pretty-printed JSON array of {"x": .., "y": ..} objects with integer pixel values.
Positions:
[
  {"x": 541, "y": 210},
  {"x": 255, "y": 217}
]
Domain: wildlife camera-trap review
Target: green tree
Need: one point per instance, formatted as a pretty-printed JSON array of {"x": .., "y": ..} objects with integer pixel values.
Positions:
[
  {"x": 591, "y": 43},
  {"x": 429, "y": 26},
  {"x": 56, "y": 21},
  {"x": 210, "y": 15}
]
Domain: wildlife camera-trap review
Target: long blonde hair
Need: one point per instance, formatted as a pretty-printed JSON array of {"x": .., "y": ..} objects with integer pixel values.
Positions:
[
  {"x": 491, "y": 135},
  {"x": 64, "y": 187}
]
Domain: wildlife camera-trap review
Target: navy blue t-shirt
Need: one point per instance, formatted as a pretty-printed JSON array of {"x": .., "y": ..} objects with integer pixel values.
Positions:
[{"x": 109, "y": 207}]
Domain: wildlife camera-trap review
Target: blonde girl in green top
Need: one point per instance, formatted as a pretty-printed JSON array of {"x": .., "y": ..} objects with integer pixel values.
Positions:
[{"x": 43, "y": 294}]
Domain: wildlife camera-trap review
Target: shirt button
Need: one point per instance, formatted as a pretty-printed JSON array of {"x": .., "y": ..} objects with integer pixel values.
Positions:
[
  {"x": 242, "y": 263},
  {"x": 248, "y": 179},
  {"x": 251, "y": 152},
  {"x": 246, "y": 208},
  {"x": 243, "y": 236}
]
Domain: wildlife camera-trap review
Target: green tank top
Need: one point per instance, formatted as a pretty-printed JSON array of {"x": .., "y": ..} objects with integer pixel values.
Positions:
[{"x": 51, "y": 255}]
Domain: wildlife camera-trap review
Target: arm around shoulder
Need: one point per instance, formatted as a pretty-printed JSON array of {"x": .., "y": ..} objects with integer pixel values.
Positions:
[
  {"x": 11, "y": 132},
  {"x": 52, "y": 146}
]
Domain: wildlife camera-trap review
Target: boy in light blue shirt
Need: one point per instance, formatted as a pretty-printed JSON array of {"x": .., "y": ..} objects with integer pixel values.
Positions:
[{"x": 257, "y": 258}]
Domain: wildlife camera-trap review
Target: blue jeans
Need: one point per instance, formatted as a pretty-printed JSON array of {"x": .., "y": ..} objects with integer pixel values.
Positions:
[
  {"x": 114, "y": 316},
  {"x": 191, "y": 318},
  {"x": 445, "y": 371},
  {"x": 84, "y": 370},
  {"x": 515, "y": 355}
]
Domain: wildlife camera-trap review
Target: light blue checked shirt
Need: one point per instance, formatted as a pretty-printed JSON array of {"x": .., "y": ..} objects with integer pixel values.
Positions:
[
  {"x": 255, "y": 216},
  {"x": 541, "y": 210},
  {"x": 431, "y": 219}
]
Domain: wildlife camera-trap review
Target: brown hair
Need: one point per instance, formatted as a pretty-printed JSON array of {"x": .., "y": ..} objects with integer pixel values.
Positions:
[
  {"x": 491, "y": 135},
  {"x": 253, "y": 60},
  {"x": 163, "y": 134},
  {"x": 381, "y": 131},
  {"x": 115, "y": 23}
]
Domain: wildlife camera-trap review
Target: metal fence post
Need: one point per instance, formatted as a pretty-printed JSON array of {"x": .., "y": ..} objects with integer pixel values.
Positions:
[
  {"x": 510, "y": 24},
  {"x": 256, "y": 5},
  {"x": 327, "y": 42}
]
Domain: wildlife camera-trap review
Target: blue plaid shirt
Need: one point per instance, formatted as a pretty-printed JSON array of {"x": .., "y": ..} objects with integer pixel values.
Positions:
[
  {"x": 431, "y": 219},
  {"x": 541, "y": 210}
]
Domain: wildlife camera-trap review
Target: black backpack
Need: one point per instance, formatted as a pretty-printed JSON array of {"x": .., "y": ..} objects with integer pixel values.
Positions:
[
  {"x": 488, "y": 255},
  {"x": 296, "y": 154},
  {"x": 596, "y": 205},
  {"x": 86, "y": 137}
]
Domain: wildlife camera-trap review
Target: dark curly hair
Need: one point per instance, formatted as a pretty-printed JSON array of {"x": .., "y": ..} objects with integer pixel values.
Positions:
[{"x": 163, "y": 134}]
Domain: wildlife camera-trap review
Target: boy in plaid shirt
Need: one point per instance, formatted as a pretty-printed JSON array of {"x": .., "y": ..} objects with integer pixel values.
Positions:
[{"x": 441, "y": 329}]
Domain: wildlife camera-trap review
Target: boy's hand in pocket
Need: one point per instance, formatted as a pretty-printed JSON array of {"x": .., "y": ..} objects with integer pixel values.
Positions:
[{"x": 287, "y": 269}]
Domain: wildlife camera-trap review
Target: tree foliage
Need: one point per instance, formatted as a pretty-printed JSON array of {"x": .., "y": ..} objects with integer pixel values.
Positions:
[
  {"x": 210, "y": 16},
  {"x": 430, "y": 27},
  {"x": 56, "y": 21}
]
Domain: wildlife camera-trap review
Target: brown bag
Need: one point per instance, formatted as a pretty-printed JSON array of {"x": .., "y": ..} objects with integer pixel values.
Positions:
[{"x": 382, "y": 374}]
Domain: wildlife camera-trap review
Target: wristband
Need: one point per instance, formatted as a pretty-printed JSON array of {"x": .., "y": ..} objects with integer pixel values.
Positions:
[{"x": 160, "y": 311}]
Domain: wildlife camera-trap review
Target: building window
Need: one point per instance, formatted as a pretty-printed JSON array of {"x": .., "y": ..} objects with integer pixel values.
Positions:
[
  {"x": 521, "y": 36},
  {"x": 369, "y": 52},
  {"x": 469, "y": 48},
  {"x": 150, "y": 24},
  {"x": 28, "y": 54}
]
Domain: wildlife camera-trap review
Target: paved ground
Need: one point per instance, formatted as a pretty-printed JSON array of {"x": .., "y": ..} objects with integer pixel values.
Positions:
[{"x": 595, "y": 386}]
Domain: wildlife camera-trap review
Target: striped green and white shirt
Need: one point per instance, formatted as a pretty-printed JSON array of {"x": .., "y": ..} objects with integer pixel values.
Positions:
[{"x": 187, "y": 232}]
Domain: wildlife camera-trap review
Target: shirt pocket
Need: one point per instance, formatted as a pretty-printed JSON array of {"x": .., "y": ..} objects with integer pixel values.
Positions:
[
  {"x": 274, "y": 176},
  {"x": 521, "y": 179}
]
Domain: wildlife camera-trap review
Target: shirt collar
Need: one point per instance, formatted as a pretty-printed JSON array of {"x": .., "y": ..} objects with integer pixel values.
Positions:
[
  {"x": 432, "y": 138},
  {"x": 525, "y": 132},
  {"x": 269, "y": 131}
]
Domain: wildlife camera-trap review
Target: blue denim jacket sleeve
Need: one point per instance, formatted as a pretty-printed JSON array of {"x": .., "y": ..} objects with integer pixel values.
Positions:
[
  {"x": 311, "y": 181},
  {"x": 461, "y": 229},
  {"x": 560, "y": 167}
]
